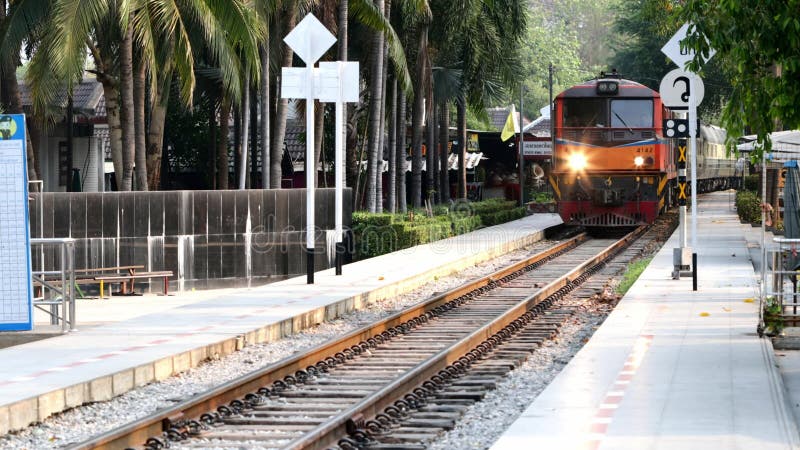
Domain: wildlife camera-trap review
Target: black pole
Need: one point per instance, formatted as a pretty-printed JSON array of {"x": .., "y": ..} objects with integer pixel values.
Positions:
[
  {"x": 310, "y": 265},
  {"x": 694, "y": 271},
  {"x": 339, "y": 257}
]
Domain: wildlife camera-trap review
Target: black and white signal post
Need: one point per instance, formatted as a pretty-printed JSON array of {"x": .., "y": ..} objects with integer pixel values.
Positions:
[{"x": 682, "y": 90}]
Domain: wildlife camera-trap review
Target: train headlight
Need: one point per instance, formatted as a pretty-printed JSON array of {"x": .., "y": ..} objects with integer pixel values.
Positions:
[
  {"x": 577, "y": 161},
  {"x": 638, "y": 161}
]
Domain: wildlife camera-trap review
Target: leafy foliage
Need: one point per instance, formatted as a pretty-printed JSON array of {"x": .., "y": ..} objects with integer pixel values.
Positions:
[
  {"x": 644, "y": 27},
  {"x": 758, "y": 44},
  {"x": 551, "y": 37},
  {"x": 377, "y": 234},
  {"x": 748, "y": 206}
]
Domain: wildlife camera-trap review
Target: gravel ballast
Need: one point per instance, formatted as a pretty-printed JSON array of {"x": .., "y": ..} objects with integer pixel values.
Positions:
[{"x": 82, "y": 423}]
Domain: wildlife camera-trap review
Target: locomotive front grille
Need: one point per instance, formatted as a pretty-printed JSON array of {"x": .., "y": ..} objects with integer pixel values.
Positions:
[{"x": 608, "y": 219}]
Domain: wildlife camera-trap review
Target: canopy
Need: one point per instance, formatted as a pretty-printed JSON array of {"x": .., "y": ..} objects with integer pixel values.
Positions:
[
  {"x": 785, "y": 145},
  {"x": 791, "y": 208}
]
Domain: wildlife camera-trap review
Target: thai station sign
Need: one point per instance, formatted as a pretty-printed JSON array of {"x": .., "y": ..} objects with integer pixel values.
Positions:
[{"x": 537, "y": 148}]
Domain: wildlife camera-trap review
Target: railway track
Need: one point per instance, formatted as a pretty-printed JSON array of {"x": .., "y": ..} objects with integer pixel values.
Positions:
[{"x": 394, "y": 384}]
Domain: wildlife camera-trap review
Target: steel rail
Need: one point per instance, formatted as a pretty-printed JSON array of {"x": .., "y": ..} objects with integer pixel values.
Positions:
[
  {"x": 136, "y": 433},
  {"x": 330, "y": 431}
]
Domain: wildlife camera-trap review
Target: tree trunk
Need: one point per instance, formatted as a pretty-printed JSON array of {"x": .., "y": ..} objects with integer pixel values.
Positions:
[
  {"x": 430, "y": 148},
  {"x": 222, "y": 148},
  {"x": 12, "y": 104},
  {"x": 111, "y": 95},
  {"x": 461, "y": 117},
  {"x": 416, "y": 119},
  {"x": 35, "y": 133},
  {"x": 155, "y": 138},
  {"x": 139, "y": 80},
  {"x": 244, "y": 131},
  {"x": 353, "y": 160},
  {"x": 392, "y": 187},
  {"x": 212, "y": 148},
  {"x": 375, "y": 100},
  {"x": 127, "y": 109},
  {"x": 401, "y": 153},
  {"x": 253, "y": 154},
  {"x": 319, "y": 126},
  {"x": 281, "y": 114},
  {"x": 265, "y": 113},
  {"x": 444, "y": 152}
]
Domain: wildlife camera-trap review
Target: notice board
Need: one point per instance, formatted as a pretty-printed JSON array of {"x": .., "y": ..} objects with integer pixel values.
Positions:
[{"x": 15, "y": 255}]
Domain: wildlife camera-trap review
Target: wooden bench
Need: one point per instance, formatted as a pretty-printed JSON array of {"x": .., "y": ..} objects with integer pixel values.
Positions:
[
  {"x": 87, "y": 276},
  {"x": 127, "y": 281}
]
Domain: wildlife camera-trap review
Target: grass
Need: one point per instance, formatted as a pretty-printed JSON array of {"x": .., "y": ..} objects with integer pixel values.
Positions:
[{"x": 632, "y": 274}]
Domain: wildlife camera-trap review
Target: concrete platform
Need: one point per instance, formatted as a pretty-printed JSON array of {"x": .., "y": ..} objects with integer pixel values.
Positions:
[
  {"x": 671, "y": 368},
  {"x": 157, "y": 339}
]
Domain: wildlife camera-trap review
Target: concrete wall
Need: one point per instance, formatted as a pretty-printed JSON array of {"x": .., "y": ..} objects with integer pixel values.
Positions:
[{"x": 206, "y": 238}]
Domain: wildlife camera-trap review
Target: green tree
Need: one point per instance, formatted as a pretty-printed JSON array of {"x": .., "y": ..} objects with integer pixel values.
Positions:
[
  {"x": 548, "y": 41},
  {"x": 758, "y": 45}
]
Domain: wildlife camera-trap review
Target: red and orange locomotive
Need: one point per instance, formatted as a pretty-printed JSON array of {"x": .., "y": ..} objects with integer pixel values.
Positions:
[{"x": 611, "y": 163}]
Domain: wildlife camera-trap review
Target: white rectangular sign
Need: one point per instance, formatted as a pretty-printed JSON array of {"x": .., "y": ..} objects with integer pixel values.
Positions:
[
  {"x": 293, "y": 82},
  {"x": 15, "y": 254},
  {"x": 537, "y": 148},
  {"x": 338, "y": 82}
]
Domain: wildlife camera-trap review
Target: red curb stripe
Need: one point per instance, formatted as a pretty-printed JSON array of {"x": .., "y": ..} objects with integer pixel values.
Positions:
[{"x": 616, "y": 393}]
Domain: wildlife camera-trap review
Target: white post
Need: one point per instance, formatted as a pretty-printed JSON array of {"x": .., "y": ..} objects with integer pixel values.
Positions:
[
  {"x": 311, "y": 172},
  {"x": 339, "y": 182}
]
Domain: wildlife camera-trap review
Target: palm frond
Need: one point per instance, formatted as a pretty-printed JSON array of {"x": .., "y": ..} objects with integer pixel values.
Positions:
[
  {"x": 366, "y": 13},
  {"x": 24, "y": 19}
]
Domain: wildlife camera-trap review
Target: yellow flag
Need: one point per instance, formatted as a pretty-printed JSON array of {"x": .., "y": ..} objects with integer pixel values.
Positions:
[{"x": 511, "y": 127}]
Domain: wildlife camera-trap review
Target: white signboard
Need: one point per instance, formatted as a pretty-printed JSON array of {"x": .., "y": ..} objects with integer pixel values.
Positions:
[
  {"x": 294, "y": 82},
  {"x": 673, "y": 48},
  {"x": 337, "y": 82},
  {"x": 537, "y": 148},
  {"x": 676, "y": 88},
  {"x": 15, "y": 262},
  {"x": 310, "y": 39}
]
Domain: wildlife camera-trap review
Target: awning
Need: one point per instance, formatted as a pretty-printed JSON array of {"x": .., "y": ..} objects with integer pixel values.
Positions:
[{"x": 785, "y": 145}]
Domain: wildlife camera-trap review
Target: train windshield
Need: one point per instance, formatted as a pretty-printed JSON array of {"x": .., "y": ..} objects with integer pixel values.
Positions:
[
  {"x": 585, "y": 113},
  {"x": 630, "y": 113}
]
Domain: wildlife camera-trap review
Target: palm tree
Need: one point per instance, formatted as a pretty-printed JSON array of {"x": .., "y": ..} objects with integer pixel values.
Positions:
[{"x": 111, "y": 28}]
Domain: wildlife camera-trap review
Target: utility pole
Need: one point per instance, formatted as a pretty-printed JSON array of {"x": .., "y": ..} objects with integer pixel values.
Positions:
[{"x": 520, "y": 149}]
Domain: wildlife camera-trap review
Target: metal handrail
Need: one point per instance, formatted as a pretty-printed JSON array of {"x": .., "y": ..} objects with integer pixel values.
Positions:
[{"x": 62, "y": 308}]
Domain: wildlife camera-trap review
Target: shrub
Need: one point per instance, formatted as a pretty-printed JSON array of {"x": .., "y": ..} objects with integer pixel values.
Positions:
[
  {"x": 751, "y": 182},
  {"x": 377, "y": 234},
  {"x": 748, "y": 206}
]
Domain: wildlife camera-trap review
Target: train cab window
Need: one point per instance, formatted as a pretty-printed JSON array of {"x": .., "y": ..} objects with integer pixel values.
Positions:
[
  {"x": 583, "y": 113},
  {"x": 630, "y": 113}
]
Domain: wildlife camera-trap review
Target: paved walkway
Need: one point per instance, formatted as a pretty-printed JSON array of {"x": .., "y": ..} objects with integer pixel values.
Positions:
[
  {"x": 671, "y": 368},
  {"x": 101, "y": 361}
]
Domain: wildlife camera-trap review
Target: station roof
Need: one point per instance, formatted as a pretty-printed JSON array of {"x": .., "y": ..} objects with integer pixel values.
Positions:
[{"x": 785, "y": 145}]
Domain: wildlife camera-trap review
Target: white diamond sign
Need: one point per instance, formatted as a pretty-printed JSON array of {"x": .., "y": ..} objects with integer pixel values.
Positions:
[
  {"x": 310, "y": 39},
  {"x": 681, "y": 56}
]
